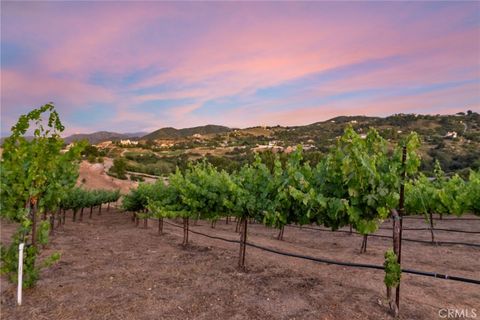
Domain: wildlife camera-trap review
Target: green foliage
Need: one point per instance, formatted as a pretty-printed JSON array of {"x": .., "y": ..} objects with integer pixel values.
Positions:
[
  {"x": 441, "y": 194},
  {"x": 79, "y": 198},
  {"x": 255, "y": 194},
  {"x": 358, "y": 182},
  {"x": 392, "y": 269},
  {"x": 34, "y": 176},
  {"x": 471, "y": 195},
  {"x": 43, "y": 232},
  {"x": 119, "y": 168},
  {"x": 293, "y": 193}
]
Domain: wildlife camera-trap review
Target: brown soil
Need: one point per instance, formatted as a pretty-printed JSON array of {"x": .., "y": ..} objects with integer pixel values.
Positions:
[
  {"x": 93, "y": 176},
  {"x": 112, "y": 270}
]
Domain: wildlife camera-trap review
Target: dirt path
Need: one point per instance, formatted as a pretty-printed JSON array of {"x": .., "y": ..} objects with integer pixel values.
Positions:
[{"x": 112, "y": 270}]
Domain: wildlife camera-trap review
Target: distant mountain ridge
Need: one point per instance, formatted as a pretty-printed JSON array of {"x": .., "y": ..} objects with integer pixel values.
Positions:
[{"x": 100, "y": 136}]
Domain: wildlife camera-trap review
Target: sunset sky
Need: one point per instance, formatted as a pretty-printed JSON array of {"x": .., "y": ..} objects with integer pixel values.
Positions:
[{"x": 128, "y": 67}]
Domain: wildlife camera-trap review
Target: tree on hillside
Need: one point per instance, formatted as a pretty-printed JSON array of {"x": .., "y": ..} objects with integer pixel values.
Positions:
[{"x": 119, "y": 168}]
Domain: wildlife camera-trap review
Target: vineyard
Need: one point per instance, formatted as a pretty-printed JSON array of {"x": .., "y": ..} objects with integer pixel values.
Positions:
[{"x": 283, "y": 220}]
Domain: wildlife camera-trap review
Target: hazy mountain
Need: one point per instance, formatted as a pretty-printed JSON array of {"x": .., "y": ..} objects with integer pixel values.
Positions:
[{"x": 100, "y": 136}]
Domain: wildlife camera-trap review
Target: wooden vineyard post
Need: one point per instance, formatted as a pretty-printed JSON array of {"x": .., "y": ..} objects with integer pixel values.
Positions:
[
  {"x": 401, "y": 211},
  {"x": 431, "y": 227},
  {"x": 33, "y": 213},
  {"x": 243, "y": 243},
  {"x": 396, "y": 249},
  {"x": 52, "y": 222},
  {"x": 160, "y": 225},
  {"x": 59, "y": 217},
  {"x": 280, "y": 233},
  {"x": 185, "y": 231}
]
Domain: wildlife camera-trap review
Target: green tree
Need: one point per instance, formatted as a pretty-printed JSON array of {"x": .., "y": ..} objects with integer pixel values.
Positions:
[{"x": 119, "y": 168}]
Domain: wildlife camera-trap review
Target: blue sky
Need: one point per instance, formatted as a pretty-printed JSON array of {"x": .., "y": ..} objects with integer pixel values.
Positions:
[{"x": 127, "y": 66}]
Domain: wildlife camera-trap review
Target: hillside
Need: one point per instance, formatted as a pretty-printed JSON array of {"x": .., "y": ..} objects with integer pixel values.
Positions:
[
  {"x": 454, "y": 140},
  {"x": 172, "y": 133}
]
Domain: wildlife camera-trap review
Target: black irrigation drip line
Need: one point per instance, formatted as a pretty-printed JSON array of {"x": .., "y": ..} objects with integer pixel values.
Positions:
[
  {"x": 390, "y": 237},
  {"x": 203, "y": 234},
  {"x": 340, "y": 263},
  {"x": 434, "y": 229},
  {"x": 444, "y": 219}
]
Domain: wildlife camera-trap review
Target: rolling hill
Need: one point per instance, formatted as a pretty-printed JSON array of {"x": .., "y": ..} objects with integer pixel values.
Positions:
[{"x": 172, "y": 133}]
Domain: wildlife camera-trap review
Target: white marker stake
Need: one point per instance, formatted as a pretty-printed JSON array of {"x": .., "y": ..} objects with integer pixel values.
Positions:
[{"x": 20, "y": 273}]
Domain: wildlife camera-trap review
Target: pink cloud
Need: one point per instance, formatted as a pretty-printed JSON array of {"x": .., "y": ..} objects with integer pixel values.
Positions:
[{"x": 212, "y": 51}]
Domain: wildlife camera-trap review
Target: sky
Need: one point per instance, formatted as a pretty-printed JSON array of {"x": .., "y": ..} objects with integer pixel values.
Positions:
[{"x": 140, "y": 66}]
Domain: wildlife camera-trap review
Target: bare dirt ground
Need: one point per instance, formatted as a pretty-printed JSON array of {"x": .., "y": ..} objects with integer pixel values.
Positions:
[
  {"x": 93, "y": 176},
  {"x": 111, "y": 269}
]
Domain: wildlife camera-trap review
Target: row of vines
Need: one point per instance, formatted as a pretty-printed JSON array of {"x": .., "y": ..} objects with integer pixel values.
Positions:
[
  {"x": 38, "y": 183},
  {"x": 359, "y": 183}
]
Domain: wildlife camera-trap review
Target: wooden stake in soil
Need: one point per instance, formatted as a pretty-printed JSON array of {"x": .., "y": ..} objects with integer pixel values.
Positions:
[
  {"x": 237, "y": 225},
  {"x": 33, "y": 213},
  {"x": 431, "y": 228},
  {"x": 243, "y": 244},
  {"x": 396, "y": 249},
  {"x": 160, "y": 225},
  {"x": 363, "y": 249},
  {"x": 185, "y": 231},
  {"x": 401, "y": 211},
  {"x": 280, "y": 233},
  {"x": 52, "y": 222},
  {"x": 59, "y": 218}
]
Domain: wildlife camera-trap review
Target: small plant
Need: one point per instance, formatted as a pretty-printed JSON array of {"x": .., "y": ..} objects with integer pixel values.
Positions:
[{"x": 392, "y": 276}]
